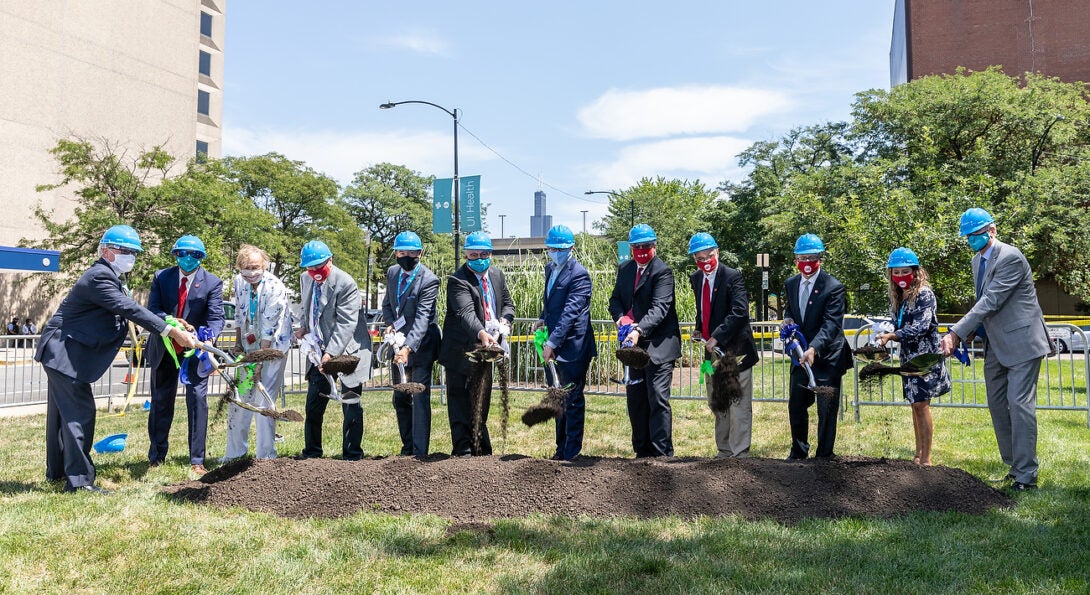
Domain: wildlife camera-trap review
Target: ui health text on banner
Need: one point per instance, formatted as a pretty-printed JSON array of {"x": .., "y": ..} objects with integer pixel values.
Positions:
[
  {"x": 442, "y": 218},
  {"x": 469, "y": 198}
]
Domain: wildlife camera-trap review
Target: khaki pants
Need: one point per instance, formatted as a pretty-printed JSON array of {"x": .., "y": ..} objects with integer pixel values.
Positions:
[{"x": 733, "y": 428}]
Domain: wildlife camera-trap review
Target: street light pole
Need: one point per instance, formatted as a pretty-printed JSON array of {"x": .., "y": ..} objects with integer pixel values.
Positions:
[
  {"x": 453, "y": 114},
  {"x": 631, "y": 205},
  {"x": 502, "y": 217}
]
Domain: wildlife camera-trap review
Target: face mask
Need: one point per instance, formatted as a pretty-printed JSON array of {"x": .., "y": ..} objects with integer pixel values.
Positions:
[
  {"x": 978, "y": 242},
  {"x": 251, "y": 276},
  {"x": 124, "y": 262},
  {"x": 708, "y": 265},
  {"x": 560, "y": 256},
  {"x": 642, "y": 256},
  {"x": 808, "y": 267},
  {"x": 903, "y": 281},
  {"x": 479, "y": 265},
  {"x": 321, "y": 273},
  {"x": 188, "y": 263},
  {"x": 408, "y": 263}
]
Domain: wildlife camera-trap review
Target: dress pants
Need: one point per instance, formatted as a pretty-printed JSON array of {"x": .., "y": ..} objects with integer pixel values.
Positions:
[
  {"x": 649, "y": 410},
  {"x": 164, "y": 392},
  {"x": 238, "y": 419},
  {"x": 799, "y": 401},
  {"x": 460, "y": 408},
  {"x": 414, "y": 412},
  {"x": 69, "y": 430},
  {"x": 351, "y": 428},
  {"x": 734, "y": 427},
  {"x": 569, "y": 425},
  {"x": 1012, "y": 402}
]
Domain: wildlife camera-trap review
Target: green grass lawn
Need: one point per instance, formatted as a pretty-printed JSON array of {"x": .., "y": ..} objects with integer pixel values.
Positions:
[{"x": 137, "y": 540}]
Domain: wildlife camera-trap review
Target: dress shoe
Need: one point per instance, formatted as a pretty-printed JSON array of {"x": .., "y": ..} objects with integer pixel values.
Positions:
[
  {"x": 89, "y": 488},
  {"x": 1018, "y": 486},
  {"x": 152, "y": 464},
  {"x": 556, "y": 457},
  {"x": 198, "y": 469},
  {"x": 789, "y": 459},
  {"x": 1000, "y": 480}
]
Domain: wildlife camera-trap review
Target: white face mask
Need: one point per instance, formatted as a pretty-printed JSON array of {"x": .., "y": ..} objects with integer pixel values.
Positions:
[
  {"x": 124, "y": 262},
  {"x": 251, "y": 276}
]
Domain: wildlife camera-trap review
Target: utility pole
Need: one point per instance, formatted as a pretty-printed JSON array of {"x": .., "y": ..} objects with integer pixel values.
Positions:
[{"x": 584, "y": 222}]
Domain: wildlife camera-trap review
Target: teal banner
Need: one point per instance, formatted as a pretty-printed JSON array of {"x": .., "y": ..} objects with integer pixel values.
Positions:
[
  {"x": 624, "y": 252},
  {"x": 469, "y": 203},
  {"x": 442, "y": 217}
]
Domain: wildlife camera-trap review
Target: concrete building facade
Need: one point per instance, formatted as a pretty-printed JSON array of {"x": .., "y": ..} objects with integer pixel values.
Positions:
[{"x": 135, "y": 74}]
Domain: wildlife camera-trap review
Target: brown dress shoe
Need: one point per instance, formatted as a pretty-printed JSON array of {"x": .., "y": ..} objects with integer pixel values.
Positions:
[{"x": 198, "y": 469}]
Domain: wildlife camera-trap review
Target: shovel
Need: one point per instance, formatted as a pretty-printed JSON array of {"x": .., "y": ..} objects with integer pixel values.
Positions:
[
  {"x": 793, "y": 346},
  {"x": 218, "y": 362},
  {"x": 310, "y": 346},
  {"x": 552, "y": 405}
]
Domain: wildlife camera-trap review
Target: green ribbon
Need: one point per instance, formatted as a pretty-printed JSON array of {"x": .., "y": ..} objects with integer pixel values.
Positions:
[
  {"x": 246, "y": 378},
  {"x": 171, "y": 321},
  {"x": 706, "y": 368},
  {"x": 540, "y": 337}
]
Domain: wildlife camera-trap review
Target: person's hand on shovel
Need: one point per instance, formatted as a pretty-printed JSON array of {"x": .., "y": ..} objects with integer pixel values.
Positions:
[
  {"x": 485, "y": 338},
  {"x": 183, "y": 338},
  {"x": 402, "y": 356},
  {"x": 325, "y": 358},
  {"x": 547, "y": 353},
  {"x": 710, "y": 344},
  {"x": 807, "y": 357}
]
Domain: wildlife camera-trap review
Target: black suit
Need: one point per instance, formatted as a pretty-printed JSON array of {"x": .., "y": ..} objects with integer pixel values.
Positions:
[
  {"x": 728, "y": 324},
  {"x": 651, "y": 303},
  {"x": 463, "y": 322},
  {"x": 823, "y": 327}
]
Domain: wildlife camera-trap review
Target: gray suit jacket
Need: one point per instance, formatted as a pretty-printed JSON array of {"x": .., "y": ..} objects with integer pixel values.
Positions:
[
  {"x": 338, "y": 317},
  {"x": 417, "y": 305},
  {"x": 1007, "y": 308}
]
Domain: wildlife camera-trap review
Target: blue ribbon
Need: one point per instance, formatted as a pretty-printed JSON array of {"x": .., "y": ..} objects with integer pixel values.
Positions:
[{"x": 204, "y": 362}]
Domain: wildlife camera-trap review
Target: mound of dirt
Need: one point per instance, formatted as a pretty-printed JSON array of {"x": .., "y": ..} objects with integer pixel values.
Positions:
[{"x": 478, "y": 489}]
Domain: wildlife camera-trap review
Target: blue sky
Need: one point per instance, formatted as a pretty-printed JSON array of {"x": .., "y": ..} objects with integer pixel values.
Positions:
[{"x": 588, "y": 95}]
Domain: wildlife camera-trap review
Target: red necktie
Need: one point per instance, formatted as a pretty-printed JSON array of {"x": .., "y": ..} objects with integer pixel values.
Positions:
[
  {"x": 182, "y": 292},
  {"x": 639, "y": 273},
  {"x": 484, "y": 297},
  {"x": 706, "y": 308}
]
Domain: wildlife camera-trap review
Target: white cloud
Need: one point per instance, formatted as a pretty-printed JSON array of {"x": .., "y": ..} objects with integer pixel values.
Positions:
[
  {"x": 709, "y": 158},
  {"x": 666, "y": 111},
  {"x": 341, "y": 154},
  {"x": 424, "y": 42}
]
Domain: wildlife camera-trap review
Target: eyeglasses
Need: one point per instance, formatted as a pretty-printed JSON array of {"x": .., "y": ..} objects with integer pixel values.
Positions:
[
  {"x": 643, "y": 246},
  {"x": 982, "y": 232},
  {"x": 477, "y": 255},
  {"x": 193, "y": 253},
  {"x": 807, "y": 258},
  {"x": 121, "y": 250}
]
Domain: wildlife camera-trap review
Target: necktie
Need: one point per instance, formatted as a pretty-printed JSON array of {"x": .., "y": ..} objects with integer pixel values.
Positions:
[
  {"x": 804, "y": 298},
  {"x": 401, "y": 285},
  {"x": 706, "y": 308},
  {"x": 980, "y": 276},
  {"x": 484, "y": 298},
  {"x": 552, "y": 280},
  {"x": 182, "y": 293},
  {"x": 639, "y": 273},
  {"x": 315, "y": 310}
]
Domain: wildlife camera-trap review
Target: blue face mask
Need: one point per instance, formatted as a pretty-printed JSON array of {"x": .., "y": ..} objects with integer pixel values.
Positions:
[
  {"x": 560, "y": 256},
  {"x": 977, "y": 242},
  {"x": 188, "y": 263},
  {"x": 479, "y": 265}
]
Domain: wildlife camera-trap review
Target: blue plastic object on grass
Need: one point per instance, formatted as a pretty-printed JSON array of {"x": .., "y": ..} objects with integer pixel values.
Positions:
[{"x": 114, "y": 443}]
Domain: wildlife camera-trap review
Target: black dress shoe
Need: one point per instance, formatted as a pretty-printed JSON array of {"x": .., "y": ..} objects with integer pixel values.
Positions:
[
  {"x": 795, "y": 459},
  {"x": 91, "y": 488},
  {"x": 1021, "y": 487}
]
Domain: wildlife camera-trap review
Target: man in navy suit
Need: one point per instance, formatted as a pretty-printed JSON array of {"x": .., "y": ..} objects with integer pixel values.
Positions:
[
  {"x": 722, "y": 321},
  {"x": 644, "y": 297},
  {"x": 77, "y": 346},
  {"x": 194, "y": 297},
  {"x": 410, "y": 308},
  {"x": 565, "y": 314},
  {"x": 816, "y": 302}
]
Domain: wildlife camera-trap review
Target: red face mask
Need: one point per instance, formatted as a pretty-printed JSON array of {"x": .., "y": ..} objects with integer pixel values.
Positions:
[
  {"x": 903, "y": 281},
  {"x": 708, "y": 265},
  {"x": 321, "y": 273},
  {"x": 643, "y": 256},
  {"x": 808, "y": 267}
]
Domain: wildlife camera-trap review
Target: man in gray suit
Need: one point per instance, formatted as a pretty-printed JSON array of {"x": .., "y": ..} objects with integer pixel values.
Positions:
[
  {"x": 1007, "y": 316},
  {"x": 331, "y": 309},
  {"x": 409, "y": 307},
  {"x": 77, "y": 346}
]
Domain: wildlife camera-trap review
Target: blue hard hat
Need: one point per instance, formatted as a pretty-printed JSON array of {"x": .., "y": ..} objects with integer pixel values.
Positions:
[
  {"x": 642, "y": 234},
  {"x": 974, "y": 220},
  {"x": 902, "y": 257},
  {"x": 478, "y": 240},
  {"x": 700, "y": 242},
  {"x": 560, "y": 236},
  {"x": 314, "y": 253},
  {"x": 114, "y": 443},
  {"x": 809, "y": 244},
  {"x": 408, "y": 240},
  {"x": 189, "y": 243},
  {"x": 123, "y": 236}
]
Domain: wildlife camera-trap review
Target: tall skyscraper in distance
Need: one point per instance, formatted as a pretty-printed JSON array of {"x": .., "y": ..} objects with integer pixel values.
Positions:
[{"x": 539, "y": 221}]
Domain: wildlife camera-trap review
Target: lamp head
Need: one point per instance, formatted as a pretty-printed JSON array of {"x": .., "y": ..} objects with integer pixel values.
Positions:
[{"x": 386, "y": 105}]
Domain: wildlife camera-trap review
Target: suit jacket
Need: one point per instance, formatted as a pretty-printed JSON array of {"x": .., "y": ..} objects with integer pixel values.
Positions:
[
  {"x": 729, "y": 321},
  {"x": 652, "y": 305},
  {"x": 465, "y": 314},
  {"x": 417, "y": 306},
  {"x": 83, "y": 337},
  {"x": 203, "y": 304},
  {"x": 339, "y": 322},
  {"x": 566, "y": 312},
  {"x": 1007, "y": 308},
  {"x": 823, "y": 325}
]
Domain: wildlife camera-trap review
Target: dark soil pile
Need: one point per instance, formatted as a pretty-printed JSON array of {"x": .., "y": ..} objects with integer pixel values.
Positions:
[{"x": 477, "y": 489}]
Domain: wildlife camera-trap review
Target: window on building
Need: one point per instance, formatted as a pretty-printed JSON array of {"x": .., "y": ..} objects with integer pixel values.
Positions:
[
  {"x": 206, "y": 24},
  {"x": 202, "y": 151},
  {"x": 203, "y": 101},
  {"x": 205, "y": 66}
]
